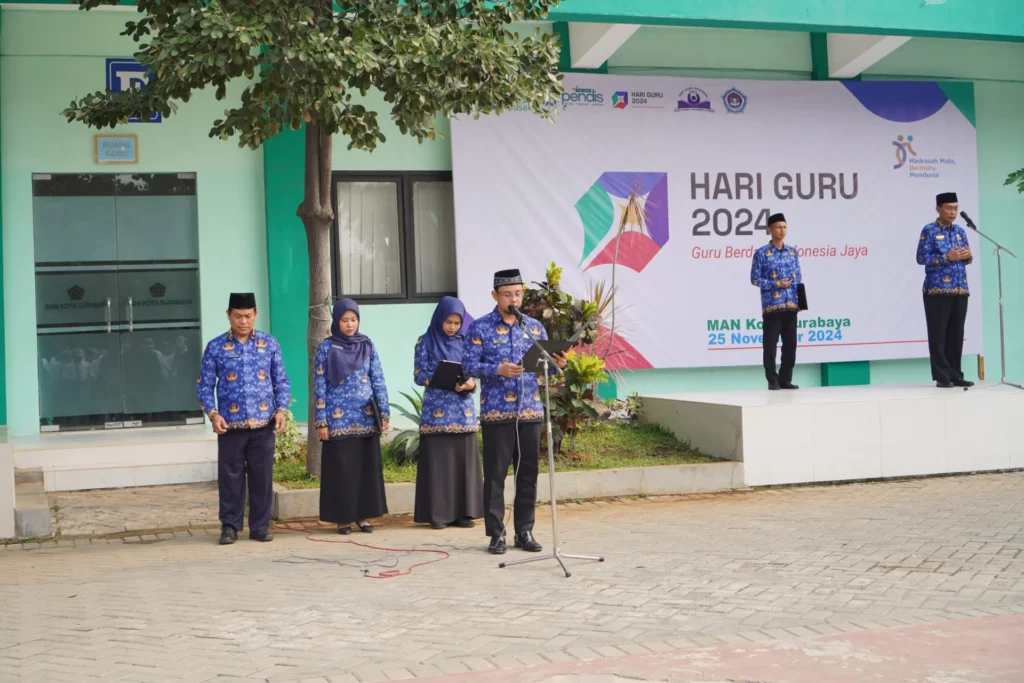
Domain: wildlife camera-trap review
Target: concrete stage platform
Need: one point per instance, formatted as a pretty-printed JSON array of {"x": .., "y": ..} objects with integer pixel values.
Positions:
[{"x": 824, "y": 434}]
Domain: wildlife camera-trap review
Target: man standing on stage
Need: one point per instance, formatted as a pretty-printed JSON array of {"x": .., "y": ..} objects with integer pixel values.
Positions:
[
  {"x": 510, "y": 409},
  {"x": 776, "y": 271},
  {"x": 244, "y": 368},
  {"x": 944, "y": 253}
]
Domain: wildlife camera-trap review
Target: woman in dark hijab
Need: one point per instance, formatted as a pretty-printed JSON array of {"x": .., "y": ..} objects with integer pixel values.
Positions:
[
  {"x": 352, "y": 411},
  {"x": 449, "y": 486}
]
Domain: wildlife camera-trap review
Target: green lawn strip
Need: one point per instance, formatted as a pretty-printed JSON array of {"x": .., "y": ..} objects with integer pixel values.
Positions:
[{"x": 599, "y": 448}]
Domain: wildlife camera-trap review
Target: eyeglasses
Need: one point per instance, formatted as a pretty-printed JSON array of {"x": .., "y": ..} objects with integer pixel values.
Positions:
[{"x": 510, "y": 295}]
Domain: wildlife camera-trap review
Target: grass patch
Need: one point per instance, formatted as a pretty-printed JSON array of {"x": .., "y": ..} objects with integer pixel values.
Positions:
[
  {"x": 605, "y": 447},
  {"x": 601, "y": 447}
]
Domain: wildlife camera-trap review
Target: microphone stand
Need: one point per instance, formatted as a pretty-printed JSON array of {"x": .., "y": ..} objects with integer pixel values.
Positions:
[
  {"x": 1002, "y": 328},
  {"x": 556, "y": 554}
]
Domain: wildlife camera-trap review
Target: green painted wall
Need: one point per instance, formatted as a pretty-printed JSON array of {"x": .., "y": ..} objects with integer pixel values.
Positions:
[
  {"x": 768, "y": 55},
  {"x": 985, "y": 19},
  {"x": 3, "y": 345},
  {"x": 394, "y": 327},
  {"x": 48, "y": 57},
  {"x": 998, "y": 74}
]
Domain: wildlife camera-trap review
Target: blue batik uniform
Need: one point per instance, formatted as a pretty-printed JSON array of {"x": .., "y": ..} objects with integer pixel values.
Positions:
[
  {"x": 244, "y": 383},
  {"x": 248, "y": 380},
  {"x": 492, "y": 342},
  {"x": 942, "y": 276},
  {"x": 444, "y": 412},
  {"x": 345, "y": 408},
  {"x": 770, "y": 265}
]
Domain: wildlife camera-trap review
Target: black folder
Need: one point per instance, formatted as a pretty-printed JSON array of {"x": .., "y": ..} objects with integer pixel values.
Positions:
[
  {"x": 533, "y": 361},
  {"x": 447, "y": 376},
  {"x": 801, "y": 297}
]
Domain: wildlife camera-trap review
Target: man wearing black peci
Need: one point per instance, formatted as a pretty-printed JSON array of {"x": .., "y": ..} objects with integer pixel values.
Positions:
[
  {"x": 511, "y": 410},
  {"x": 776, "y": 272},
  {"x": 943, "y": 251}
]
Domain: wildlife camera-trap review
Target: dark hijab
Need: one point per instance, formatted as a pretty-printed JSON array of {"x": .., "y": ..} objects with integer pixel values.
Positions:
[
  {"x": 347, "y": 354},
  {"x": 439, "y": 345}
]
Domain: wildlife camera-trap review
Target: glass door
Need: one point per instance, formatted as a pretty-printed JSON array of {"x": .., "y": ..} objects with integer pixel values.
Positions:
[
  {"x": 117, "y": 300},
  {"x": 158, "y": 289}
]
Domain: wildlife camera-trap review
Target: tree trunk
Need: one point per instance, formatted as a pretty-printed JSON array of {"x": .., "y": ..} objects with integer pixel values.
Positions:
[{"x": 317, "y": 214}]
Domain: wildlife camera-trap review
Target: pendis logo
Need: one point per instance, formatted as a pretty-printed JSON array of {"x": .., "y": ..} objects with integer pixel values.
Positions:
[
  {"x": 76, "y": 293},
  {"x": 693, "y": 99},
  {"x": 620, "y": 100},
  {"x": 904, "y": 150},
  {"x": 582, "y": 96},
  {"x": 613, "y": 225},
  {"x": 157, "y": 290}
]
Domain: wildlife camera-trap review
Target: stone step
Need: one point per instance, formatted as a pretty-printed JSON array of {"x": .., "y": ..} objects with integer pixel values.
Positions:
[
  {"x": 31, "y": 507},
  {"x": 29, "y": 476}
]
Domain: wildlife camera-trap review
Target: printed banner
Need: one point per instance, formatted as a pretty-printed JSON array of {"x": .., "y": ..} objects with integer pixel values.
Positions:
[{"x": 854, "y": 166}]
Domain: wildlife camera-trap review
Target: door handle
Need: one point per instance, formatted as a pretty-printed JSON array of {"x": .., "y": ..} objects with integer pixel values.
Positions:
[
  {"x": 131, "y": 315},
  {"x": 107, "y": 315}
]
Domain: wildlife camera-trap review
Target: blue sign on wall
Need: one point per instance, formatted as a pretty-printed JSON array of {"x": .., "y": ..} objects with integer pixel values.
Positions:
[
  {"x": 116, "y": 149},
  {"x": 123, "y": 74}
]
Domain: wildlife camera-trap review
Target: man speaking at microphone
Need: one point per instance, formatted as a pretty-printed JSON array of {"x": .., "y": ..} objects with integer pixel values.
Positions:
[
  {"x": 945, "y": 254},
  {"x": 511, "y": 410}
]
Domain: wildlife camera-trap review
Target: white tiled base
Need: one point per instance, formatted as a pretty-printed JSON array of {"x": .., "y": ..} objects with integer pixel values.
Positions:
[
  {"x": 847, "y": 433},
  {"x": 143, "y": 457}
]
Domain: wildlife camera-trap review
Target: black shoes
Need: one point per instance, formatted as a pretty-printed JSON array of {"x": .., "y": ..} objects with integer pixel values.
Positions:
[
  {"x": 497, "y": 546},
  {"x": 227, "y": 535},
  {"x": 963, "y": 383},
  {"x": 773, "y": 386},
  {"x": 788, "y": 385},
  {"x": 344, "y": 529},
  {"x": 944, "y": 385},
  {"x": 366, "y": 528},
  {"x": 438, "y": 525},
  {"x": 526, "y": 541}
]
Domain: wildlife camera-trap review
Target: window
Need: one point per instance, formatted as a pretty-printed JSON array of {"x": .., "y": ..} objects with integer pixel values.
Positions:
[{"x": 394, "y": 237}]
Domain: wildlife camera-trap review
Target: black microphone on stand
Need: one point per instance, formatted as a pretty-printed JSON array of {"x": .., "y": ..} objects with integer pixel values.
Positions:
[
  {"x": 970, "y": 223},
  {"x": 516, "y": 313}
]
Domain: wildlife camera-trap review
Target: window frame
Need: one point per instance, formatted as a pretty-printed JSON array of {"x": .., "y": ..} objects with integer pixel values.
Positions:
[{"x": 406, "y": 234}]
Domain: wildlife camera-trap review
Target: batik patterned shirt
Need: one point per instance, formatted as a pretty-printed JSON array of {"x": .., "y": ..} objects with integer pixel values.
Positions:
[
  {"x": 243, "y": 383},
  {"x": 770, "y": 265},
  {"x": 345, "y": 408},
  {"x": 444, "y": 412},
  {"x": 490, "y": 342},
  {"x": 942, "y": 276}
]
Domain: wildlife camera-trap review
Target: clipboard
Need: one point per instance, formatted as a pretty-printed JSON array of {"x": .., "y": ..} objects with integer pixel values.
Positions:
[
  {"x": 801, "y": 297},
  {"x": 447, "y": 376},
  {"x": 533, "y": 361}
]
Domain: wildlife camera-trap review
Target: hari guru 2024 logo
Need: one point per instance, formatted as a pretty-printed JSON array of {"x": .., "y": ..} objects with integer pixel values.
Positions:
[{"x": 624, "y": 216}]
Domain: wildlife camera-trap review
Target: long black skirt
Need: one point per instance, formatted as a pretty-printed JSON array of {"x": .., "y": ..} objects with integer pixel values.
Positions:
[
  {"x": 352, "y": 480},
  {"x": 449, "y": 485}
]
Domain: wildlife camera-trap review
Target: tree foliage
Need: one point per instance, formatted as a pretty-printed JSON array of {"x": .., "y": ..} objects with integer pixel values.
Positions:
[
  {"x": 308, "y": 62},
  {"x": 1016, "y": 178},
  {"x": 308, "y": 59}
]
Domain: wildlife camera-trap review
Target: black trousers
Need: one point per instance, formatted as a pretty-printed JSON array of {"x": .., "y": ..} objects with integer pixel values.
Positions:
[
  {"x": 780, "y": 324},
  {"x": 945, "y": 314},
  {"x": 502, "y": 446},
  {"x": 246, "y": 455}
]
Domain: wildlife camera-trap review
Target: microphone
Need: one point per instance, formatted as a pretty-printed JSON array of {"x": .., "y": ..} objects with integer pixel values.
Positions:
[
  {"x": 517, "y": 313},
  {"x": 970, "y": 223}
]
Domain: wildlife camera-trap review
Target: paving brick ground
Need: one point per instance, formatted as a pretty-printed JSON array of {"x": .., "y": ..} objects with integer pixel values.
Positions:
[{"x": 683, "y": 576}]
